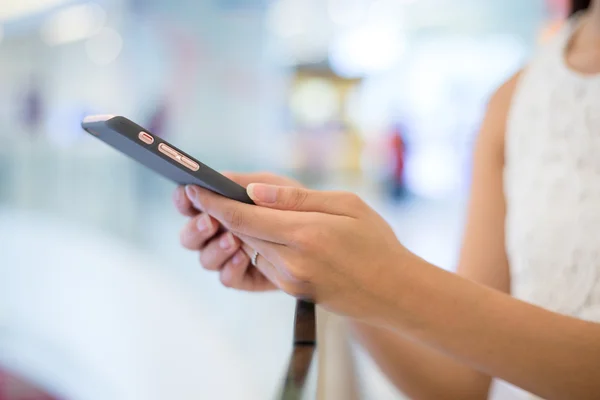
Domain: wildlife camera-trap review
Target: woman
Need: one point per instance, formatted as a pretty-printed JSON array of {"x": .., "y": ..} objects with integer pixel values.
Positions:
[{"x": 532, "y": 231}]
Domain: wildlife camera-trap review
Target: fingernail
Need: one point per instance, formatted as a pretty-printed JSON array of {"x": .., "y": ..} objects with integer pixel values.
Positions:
[
  {"x": 226, "y": 241},
  {"x": 191, "y": 191},
  {"x": 237, "y": 259},
  {"x": 204, "y": 223},
  {"x": 262, "y": 193}
]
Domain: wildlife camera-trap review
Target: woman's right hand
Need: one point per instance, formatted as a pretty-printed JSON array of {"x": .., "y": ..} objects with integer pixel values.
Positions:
[{"x": 219, "y": 249}]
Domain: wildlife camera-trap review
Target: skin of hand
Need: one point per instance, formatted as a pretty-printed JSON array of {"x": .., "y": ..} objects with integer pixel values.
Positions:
[
  {"x": 220, "y": 250},
  {"x": 332, "y": 248},
  {"x": 329, "y": 247}
]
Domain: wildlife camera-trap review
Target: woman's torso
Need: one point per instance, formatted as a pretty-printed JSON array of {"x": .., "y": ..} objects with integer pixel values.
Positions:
[{"x": 552, "y": 185}]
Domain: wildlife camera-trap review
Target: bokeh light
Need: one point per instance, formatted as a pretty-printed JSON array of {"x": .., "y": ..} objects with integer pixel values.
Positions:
[
  {"x": 433, "y": 170},
  {"x": 73, "y": 23},
  {"x": 14, "y": 9},
  {"x": 366, "y": 50},
  {"x": 314, "y": 102}
]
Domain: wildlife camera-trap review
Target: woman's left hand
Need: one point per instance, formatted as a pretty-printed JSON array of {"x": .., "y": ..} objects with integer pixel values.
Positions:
[{"x": 328, "y": 247}]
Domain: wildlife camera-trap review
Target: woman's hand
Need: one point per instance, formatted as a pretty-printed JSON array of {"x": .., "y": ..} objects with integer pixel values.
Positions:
[
  {"x": 219, "y": 249},
  {"x": 332, "y": 248},
  {"x": 329, "y": 247}
]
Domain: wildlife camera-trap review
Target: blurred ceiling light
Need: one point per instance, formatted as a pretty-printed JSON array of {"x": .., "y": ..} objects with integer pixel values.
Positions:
[
  {"x": 73, "y": 23},
  {"x": 15, "y": 9},
  {"x": 347, "y": 12},
  {"x": 315, "y": 101},
  {"x": 366, "y": 50},
  {"x": 104, "y": 47}
]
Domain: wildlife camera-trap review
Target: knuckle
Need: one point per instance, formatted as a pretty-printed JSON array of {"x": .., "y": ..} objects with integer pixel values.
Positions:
[
  {"x": 312, "y": 238},
  {"x": 353, "y": 200},
  {"x": 233, "y": 218},
  {"x": 297, "y": 198},
  {"x": 302, "y": 238},
  {"x": 299, "y": 274}
]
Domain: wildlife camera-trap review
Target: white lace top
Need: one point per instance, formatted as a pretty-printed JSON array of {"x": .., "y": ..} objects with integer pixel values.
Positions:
[{"x": 552, "y": 185}]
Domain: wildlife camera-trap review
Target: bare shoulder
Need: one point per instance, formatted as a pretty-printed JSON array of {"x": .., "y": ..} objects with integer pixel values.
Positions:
[
  {"x": 501, "y": 99},
  {"x": 504, "y": 93},
  {"x": 494, "y": 123}
]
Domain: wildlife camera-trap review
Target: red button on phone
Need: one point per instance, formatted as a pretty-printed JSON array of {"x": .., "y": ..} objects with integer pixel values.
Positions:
[{"x": 146, "y": 137}]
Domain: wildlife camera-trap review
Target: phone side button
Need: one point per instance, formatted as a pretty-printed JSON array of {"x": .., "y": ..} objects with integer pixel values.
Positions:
[
  {"x": 163, "y": 148},
  {"x": 146, "y": 137},
  {"x": 190, "y": 164}
]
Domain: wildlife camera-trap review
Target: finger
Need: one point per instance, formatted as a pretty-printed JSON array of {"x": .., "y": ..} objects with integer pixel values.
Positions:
[
  {"x": 258, "y": 222},
  {"x": 197, "y": 231},
  {"x": 263, "y": 265},
  {"x": 260, "y": 177},
  {"x": 279, "y": 277},
  {"x": 234, "y": 271},
  {"x": 299, "y": 199},
  {"x": 182, "y": 203},
  {"x": 254, "y": 280},
  {"x": 216, "y": 253},
  {"x": 239, "y": 274},
  {"x": 271, "y": 259}
]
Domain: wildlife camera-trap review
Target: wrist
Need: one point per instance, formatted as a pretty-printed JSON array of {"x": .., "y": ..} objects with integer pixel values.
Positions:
[{"x": 400, "y": 289}]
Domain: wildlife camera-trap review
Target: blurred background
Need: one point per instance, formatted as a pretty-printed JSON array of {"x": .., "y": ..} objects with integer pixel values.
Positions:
[{"x": 380, "y": 97}]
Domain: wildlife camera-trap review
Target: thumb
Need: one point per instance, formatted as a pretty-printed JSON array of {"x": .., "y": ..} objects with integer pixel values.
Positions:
[
  {"x": 300, "y": 199},
  {"x": 261, "y": 177}
]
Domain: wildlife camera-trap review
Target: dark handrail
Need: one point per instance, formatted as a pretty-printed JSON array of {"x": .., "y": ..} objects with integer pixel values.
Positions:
[{"x": 305, "y": 344}]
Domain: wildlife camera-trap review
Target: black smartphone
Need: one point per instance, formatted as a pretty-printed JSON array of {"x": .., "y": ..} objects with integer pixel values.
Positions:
[{"x": 138, "y": 143}]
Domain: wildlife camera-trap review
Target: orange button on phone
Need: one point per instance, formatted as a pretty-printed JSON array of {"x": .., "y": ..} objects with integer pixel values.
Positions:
[
  {"x": 190, "y": 164},
  {"x": 163, "y": 148},
  {"x": 181, "y": 159}
]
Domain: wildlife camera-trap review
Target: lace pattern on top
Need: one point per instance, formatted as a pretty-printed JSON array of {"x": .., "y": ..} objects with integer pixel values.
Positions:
[{"x": 552, "y": 185}]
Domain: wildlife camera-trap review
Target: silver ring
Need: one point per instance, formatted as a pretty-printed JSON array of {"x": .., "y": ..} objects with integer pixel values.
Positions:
[{"x": 254, "y": 258}]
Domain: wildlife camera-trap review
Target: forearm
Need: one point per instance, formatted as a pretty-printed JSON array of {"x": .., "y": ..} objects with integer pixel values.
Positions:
[
  {"x": 419, "y": 371},
  {"x": 546, "y": 353}
]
